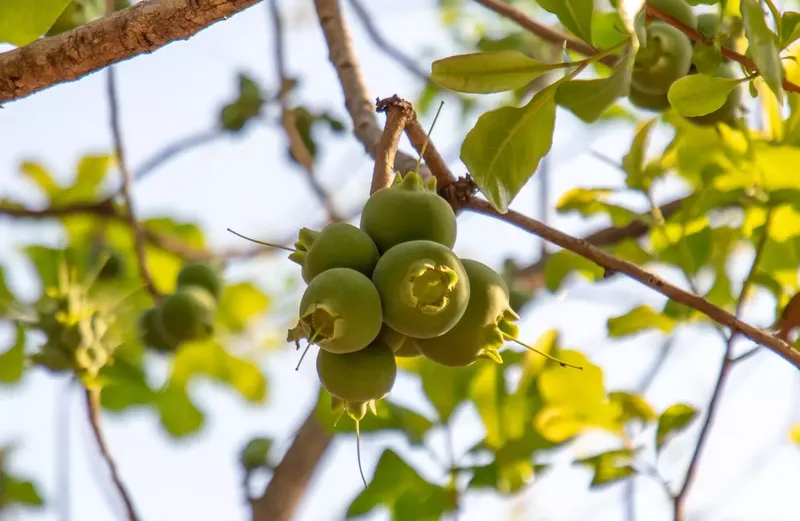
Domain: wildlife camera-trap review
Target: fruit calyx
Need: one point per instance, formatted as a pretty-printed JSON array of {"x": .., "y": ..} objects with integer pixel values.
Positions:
[
  {"x": 428, "y": 286},
  {"x": 305, "y": 239},
  {"x": 320, "y": 323},
  {"x": 413, "y": 182}
]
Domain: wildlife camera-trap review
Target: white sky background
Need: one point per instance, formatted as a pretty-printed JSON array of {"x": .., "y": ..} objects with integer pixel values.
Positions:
[{"x": 749, "y": 472}]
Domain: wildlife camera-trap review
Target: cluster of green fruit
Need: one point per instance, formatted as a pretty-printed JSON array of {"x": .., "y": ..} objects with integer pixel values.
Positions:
[
  {"x": 668, "y": 55},
  {"x": 187, "y": 314},
  {"x": 393, "y": 287}
]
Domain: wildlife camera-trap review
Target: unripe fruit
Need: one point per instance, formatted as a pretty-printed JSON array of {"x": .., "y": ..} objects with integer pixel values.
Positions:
[
  {"x": 408, "y": 349},
  {"x": 483, "y": 329},
  {"x": 361, "y": 376},
  {"x": 728, "y": 112},
  {"x": 340, "y": 311},
  {"x": 423, "y": 288},
  {"x": 188, "y": 314},
  {"x": 402, "y": 345},
  {"x": 409, "y": 210},
  {"x": 338, "y": 245},
  {"x": 678, "y": 9},
  {"x": 666, "y": 57},
  {"x": 152, "y": 333},
  {"x": 202, "y": 275},
  {"x": 645, "y": 100}
]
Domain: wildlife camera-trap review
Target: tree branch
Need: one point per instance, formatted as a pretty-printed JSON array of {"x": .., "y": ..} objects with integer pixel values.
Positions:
[
  {"x": 592, "y": 253},
  {"x": 398, "y": 114},
  {"x": 93, "y": 411},
  {"x": 139, "y": 29}
]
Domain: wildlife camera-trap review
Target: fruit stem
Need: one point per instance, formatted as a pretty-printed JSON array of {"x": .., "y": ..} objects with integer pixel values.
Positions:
[
  {"x": 428, "y": 137},
  {"x": 308, "y": 346},
  {"x": 554, "y": 359},
  {"x": 358, "y": 454},
  {"x": 284, "y": 248}
]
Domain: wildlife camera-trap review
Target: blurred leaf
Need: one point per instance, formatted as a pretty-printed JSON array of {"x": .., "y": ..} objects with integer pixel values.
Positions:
[
  {"x": 124, "y": 386},
  {"x": 638, "y": 319},
  {"x": 179, "y": 415},
  {"x": 591, "y": 201},
  {"x": 503, "y": 149},
  {"x": 12, "y": 361},
  {"x": 763, "y": 47},
  {"x": 487, "y": 391},
  {"x": 45, "y": 261},
  {"x": 6, "y": 297},
  {"x": 576, "y": 15},
  {"x": 487, "y": 72},
  {"x": 700, "y": 94},
  {"x": 564, "y": 262},
  {"x": 212, "y": 360},
  {"x": 634, "y": 407},
  {"x": 445, "y": 387},
  {"x": 707, "y": 59},
  {"x": 234, "y": 116},
  {"x": 255, "y": 454},
  {"x": 607, "y": 30},
  {"x": 239, "y": 304},
  {"x": 674, "y": 419},
  {"x": 634, "y": 161},
  {"x": 91, "y": 172},
  {"x": 589, "y": 99},
  {"x": 17, "y": 491},
  {"x": 609, "y": 467},
  {"x": 23, "y": 21},
  {"x": 790, "y": 31},
  {"x": 397, "y": 486},
  {"x": 794, "y": 433},
  {"x": 688, "y": 245},
  {"x": 40, "y": 177}
]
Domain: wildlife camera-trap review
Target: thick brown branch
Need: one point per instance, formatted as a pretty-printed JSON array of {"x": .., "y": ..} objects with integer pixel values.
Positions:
[
  {"x": 93, "y": 412},
  {"x": 142, "y": 28},
  {"x": 592, "y": 253},
  {"x": 398, "y": 113},
  {"x": 433, "y": 159}
]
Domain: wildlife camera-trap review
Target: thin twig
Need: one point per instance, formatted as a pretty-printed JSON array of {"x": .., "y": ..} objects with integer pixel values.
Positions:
[
  {"x": 724, "y": 370},
  {"x": 174, "y": 149},
  {"x": 127, "y": 186},
  {"x": 398, "y": 113},
  {"x": 592, "y": 253},
  {"x": 425, "y": 147},
  {"x": 297, "y": 145},
  {"x": 93, "y": 411}
]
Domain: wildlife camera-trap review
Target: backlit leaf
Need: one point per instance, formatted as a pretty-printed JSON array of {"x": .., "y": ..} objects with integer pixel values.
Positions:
[
  {"x": 239, "y": 304},
  {"x": 12, "y": 360},
  {"x": 634, "y": 161},
  {"x": 700, "y": 94},
  {"x": 487, "y": 72},
  {"x": 565, "y": 262},
  {"x": 763, "y": 46},
  {"x": 609, "y": 467},
  {"x": 673, "y": 420},
  {"x": 23, "y": 21},
  {"x": 179, "y": 415},
  {"x": 576, "y": 15},
  {"x": 790, "y": 31},
  {"x": 637, "y": 320}
]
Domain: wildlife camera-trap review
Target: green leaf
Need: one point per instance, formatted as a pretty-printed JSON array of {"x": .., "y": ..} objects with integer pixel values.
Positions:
[
  {"x": 790, "y": 31},
  {"x": 607, "y": 30},
  {"x": 445, "y": 387},
  {"x": 576, "y": 15},
  {"x": 503, "y": 149},
  {"x": 17, "y": 491},
  {"x": 590, "y": 201},
  {"x": 41, "y": 177},
  {"x": 6, "y": 297},
  {"x": 763, "y": 47},
  {"x": 488, "y": 392},
  {"x": 794, "y": 434},
  {"x": 239, "y": 304},
  {"x": 212, "y": 360},
  {"x": 609, "y": 467},
  {"x": 637, "y": 320},
  {"x": 700, "y": 94},
  {"x": 255, "y": 454},
  {"x": 634, "y": 161},
  {"x": 564, "y": 262},
  {"x": 634, "y": 407},
  {"x": 46, "y": 262},
  {"x": 707, "y": 58},
  {"x": 12, "y": 361},
  {"x": 124, "y": 386},
  {"x": 23, "y": 21},
  {"x": 234, "y": 116},
  {"x": 674, "y": 419},
  {"x": 397, "y": 486},
  {"x": 487, "y": 72},
  {"x": 589, "y": 99},
  {"x": 179, "y": 415},
  {"x": 91, "y": 172}
]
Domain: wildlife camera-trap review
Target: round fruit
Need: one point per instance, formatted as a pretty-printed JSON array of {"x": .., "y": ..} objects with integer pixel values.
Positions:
[
  {"x": 645, "y": 100},
  {"x": 338, "y": 245},
  {"x": 407, "y": 211},
  {"x": 391, "y": 338},
  {"x": 362, "y": 376},
  {"x": 678, "y": 9},
  {"x": 151, "y": 331},
  {"x": 408, "y": 349},
  {"x": 423, "y": 287},
  {"x": 484, "y": 327},
  {"x": 729, "y": 111},
  {"x": 340, "y": 311},
  {"x": 188, "y": 314},
  {"x": 666, "y": 58},
  {"x": 202, "y": 275}
]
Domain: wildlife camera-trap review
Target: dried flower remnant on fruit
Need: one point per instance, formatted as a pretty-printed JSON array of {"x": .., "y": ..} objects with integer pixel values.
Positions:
[
  {"x": 428, "y": 286},
  {"x": 338, "y": 245}
]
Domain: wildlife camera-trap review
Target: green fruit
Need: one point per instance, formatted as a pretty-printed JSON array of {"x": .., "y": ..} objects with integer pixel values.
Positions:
[
  {"x": 152, "y": 333},
  {"x": 402, "y": 345},
  {"x": 408, "y": 349},
  {"x": 407, "y": 211},
  {"x": 666, "y": 58},
  {"x": 201, "y": 275},
  {"x": 645, "y": 100},
  {"x": 361, "y": 376},
  {"x": 727, "y": 113},
  {"x": 338, "y": 245},
  {"x": 678, "y": 9},
  {"x": 188, "y": 314},
  {"x": 483, "y": 329},
  {"x": 423, "y": 287},
  {"x": 707, "y": 24},
  {"x": 340, "y": 311}
]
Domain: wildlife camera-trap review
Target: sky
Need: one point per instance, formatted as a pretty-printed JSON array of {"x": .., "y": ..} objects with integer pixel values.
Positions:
[{"x": 749, "y": 470}]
